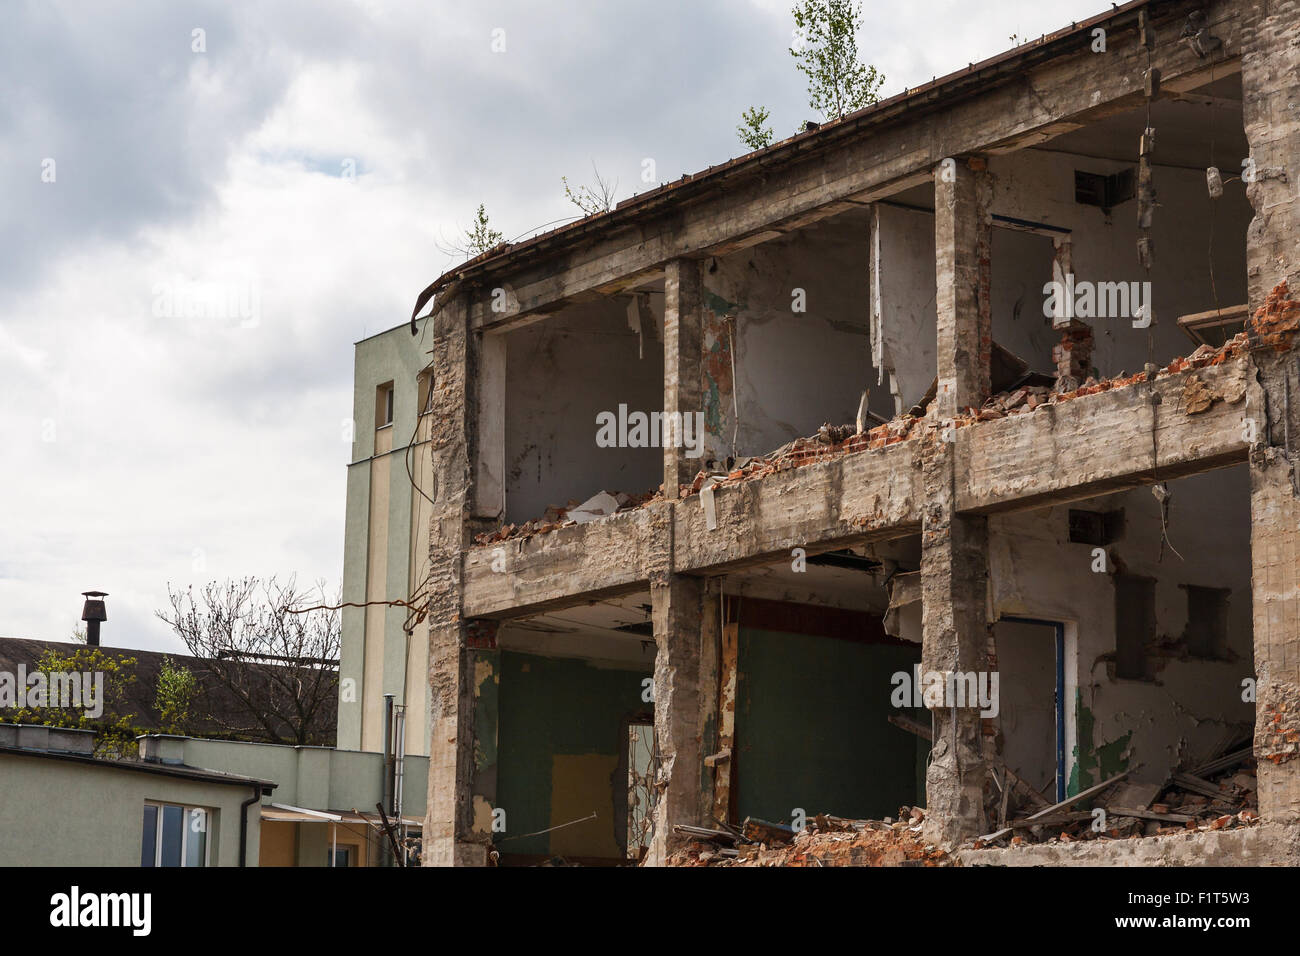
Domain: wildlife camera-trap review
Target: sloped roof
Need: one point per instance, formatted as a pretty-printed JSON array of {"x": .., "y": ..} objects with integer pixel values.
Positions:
[{"x": 214, "y": 699}]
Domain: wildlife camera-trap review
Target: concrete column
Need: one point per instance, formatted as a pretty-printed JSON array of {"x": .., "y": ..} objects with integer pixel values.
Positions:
[
  {"x": 680, "y": 697},
  {"x": 1275, "y": 603},
  {"x": 1270, "y": 76},
  {"x": 963, "y": 238},
  {"x": 955, "y": 630},
  {"x": 447, "y": 826},
  {"x": 683, "y": 383}
]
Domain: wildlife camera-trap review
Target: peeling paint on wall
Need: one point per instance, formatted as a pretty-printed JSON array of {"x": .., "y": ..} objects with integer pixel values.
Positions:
[{"x": 1093, "y": 764}]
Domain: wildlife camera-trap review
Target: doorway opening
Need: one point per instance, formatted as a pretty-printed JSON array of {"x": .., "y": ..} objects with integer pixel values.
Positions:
[{"x": 1033, "y": 704}]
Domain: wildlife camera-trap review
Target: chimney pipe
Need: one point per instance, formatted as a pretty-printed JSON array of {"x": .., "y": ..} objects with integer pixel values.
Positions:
[{"x": 92, "y": 612}]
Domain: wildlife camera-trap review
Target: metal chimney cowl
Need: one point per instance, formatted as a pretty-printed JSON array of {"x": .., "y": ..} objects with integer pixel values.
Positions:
[{"x": 92, "y": 612}]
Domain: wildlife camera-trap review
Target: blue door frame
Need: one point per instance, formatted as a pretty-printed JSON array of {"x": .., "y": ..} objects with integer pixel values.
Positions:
[{"x": 1059, "y": 628}]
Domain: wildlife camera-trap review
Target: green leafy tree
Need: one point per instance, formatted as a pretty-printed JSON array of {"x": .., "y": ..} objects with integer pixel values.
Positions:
[
  {"x": 115, "y": 728},
  {"x": 174, "y": 696},
  {"x": 481, "y": 237},
  {"x": 826, "y": 51},
  {"x": 753, "y": 129}
]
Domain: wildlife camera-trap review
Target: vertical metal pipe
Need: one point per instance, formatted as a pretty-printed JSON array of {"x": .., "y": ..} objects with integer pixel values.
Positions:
[{"x": 386, "y": 784}]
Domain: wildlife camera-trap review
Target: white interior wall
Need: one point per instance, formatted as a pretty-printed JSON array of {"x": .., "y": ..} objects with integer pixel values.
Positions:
[
  {"x": 1038, "y": 185},
  {"x": 1021, "y": 262},
  {"x": 1036, "y": 572},
  {"x": 904, "y": 295},
  {"x": 560, "y": 373},
  {"x": 796, "y": 371}
]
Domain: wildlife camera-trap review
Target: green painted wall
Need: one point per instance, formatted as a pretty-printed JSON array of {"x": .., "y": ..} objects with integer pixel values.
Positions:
[
  {"x": 315, "y": 778},
  {"x": 63, "y": 813},
  {"x": 1094, "y": 762},
  {"x": 396, "y": 356},
  {"x": 550, "y": 707},
  {"x": 812, "y": 728}
]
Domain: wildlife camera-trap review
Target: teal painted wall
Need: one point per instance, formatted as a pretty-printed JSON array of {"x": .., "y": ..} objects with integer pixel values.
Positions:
[
  {"x": 549, "y": 707},
  {"x": 396, "y": 356},
  {"x": 812, "y": 728}
]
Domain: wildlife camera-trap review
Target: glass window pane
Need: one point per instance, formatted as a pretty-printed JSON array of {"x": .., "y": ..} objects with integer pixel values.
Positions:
[
  {"x": 149, "y": 836},
  {"x": 172, "y": 830},
  {"x": 196, "y": 841}
]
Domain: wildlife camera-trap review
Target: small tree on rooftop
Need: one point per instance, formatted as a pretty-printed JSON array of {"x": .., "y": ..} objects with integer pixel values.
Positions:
[
  {"x": 753, "y": 129},
  {"x": 592, "y": 200},
  {"x": 826, "y": 51},
  {"x": 481, "y": 236}
]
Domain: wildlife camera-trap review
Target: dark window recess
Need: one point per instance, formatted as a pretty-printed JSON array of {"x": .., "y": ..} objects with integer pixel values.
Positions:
[
  {"x": 173, "y": 835},
  {"x": 149, "y": 843},
  {"x": 1206, "y": 635},
  {"x": 1135, "y": 624},
  {"x": 1096, "y": 527},
  {"x": 1098, "y": 189},
  {"x": 424, "y": 388},
  {"x": 384, "y": 405}
]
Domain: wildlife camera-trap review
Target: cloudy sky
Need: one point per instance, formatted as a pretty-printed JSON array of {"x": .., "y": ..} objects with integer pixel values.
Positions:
[{"x": 196, "y": 226}]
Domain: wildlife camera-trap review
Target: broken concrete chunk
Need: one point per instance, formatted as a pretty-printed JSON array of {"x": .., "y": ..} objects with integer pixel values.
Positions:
[
  {"x": 597, "y": 506},
  {"x": 1197, "y": 396}
]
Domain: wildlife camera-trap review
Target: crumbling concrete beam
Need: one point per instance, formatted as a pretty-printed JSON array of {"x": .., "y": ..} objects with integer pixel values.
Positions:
[
  {"x": 955, "y": 634},
  {"x": 963, "y": 226},
  {"x": 447, "y": 821},
  {"x": 1105, "y": 442},
  {"x": 684, "y": 694},
  {"x": 1275, "y": 606},
  {"x": 1270, "y": 75},
  {"x": 841, "y": 502},
  {"x": 683, "y": 367}
]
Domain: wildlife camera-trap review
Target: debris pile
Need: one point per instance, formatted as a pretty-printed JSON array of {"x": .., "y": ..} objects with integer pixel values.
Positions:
[
  {"x": 824, "y": 841},
  {"x": 831, "y": 441},
  {"x": 1215, "y": 795},
  {"x": 1025, "y": 399},
  {"x": 600, "y": 505}
]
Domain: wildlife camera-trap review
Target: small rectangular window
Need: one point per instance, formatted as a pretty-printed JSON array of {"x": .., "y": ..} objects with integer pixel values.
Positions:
[
  {"x": 174, "y": 835},
  {"x": 1098, "y": 528},
  {"x": 384, "y": 405},
  {"x": 424, "y": 386}
]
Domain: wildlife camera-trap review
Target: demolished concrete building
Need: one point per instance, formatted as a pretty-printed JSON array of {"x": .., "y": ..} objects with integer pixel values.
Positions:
[{"x": 995, "y": 377}]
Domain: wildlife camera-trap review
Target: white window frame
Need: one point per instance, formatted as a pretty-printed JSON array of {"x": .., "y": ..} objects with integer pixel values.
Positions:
[{"x": 187, "y": 811}]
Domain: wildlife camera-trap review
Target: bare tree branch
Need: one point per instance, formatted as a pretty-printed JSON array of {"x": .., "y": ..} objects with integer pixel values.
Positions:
[{"x": 273, "y": 647}]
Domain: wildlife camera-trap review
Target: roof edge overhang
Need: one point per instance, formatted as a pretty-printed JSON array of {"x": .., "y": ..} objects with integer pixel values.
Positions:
[{"x": 944, "y": 90}]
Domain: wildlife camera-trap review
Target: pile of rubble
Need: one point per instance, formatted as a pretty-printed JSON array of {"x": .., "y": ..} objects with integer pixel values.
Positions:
[
  {"x": 831, "y": 441},
  {"x": 1215, "y": 795},
  {"x": 600, "y": 505},
  {"x": 823, "y": 841},
  {"x": 1019, "y": 401}
]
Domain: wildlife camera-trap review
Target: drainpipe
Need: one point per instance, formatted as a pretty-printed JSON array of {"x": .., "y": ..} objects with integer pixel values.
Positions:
[
  {"x": 243, "y": 822},
  {"x": 386, "y": 781}
]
